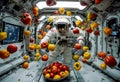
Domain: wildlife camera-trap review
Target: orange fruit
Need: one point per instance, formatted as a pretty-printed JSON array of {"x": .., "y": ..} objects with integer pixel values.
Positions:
[
  {"x": 51, "y": 47},
  {"x": 25, "y": 65},
  {"x": 40, "y": 36},
  {"x": 48, "y": 26},
  {"x": 25, "y": 57}
]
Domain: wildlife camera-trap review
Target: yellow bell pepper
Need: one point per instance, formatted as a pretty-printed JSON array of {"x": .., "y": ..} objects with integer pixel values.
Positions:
[
  {"x": 94, "y": 25},
  {"x": 76, "y": 57},
  {"x": 77, "y": 66},
  {"x": 103, "y": 66},
  {"x": 61, "y": 10},
  {"x": 69, "y": 13},
  {"x": 87, "y": 55},
  {"x": 78, "y": 22},
  {"x": 89, "y": 16},
  {"x": 50, "y": 19},
  {"x": 3, "y": 35}
]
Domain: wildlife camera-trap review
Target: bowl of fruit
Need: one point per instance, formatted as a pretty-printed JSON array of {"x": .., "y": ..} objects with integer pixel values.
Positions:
[{"x": 56, "y": 72}]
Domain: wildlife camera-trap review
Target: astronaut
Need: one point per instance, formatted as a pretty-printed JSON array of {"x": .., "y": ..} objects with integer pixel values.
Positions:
[{"x": 63, "y": 37}]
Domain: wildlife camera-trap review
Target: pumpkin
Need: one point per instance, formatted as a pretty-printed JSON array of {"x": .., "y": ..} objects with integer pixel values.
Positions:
[
  {"x": 3, "y": 35},
  {"x": 107, "y": 30},
  {"x": 110, "y": 61},
  {"x": 77, "y": 66},
  {"x": 26, "y": 19},
  {"x": 101, "y": 54}
]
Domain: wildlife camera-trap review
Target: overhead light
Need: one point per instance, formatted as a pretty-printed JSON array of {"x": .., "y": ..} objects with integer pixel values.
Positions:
[{"x": 67, "y": 4}]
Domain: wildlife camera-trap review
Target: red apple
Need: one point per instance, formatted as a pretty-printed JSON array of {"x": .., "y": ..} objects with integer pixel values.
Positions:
[
  {"x": 61, "y": 67},
  {"x": 37, "y": 20},
  {"x": 44, "y": 71},
  {"x": 44, "y": 44},
  {"x": 26, "y": 19},
  {"x": 58, "y": 70},
  {"x": 31, "y": 39},
  {"x": 83, "y": 3},
  {"x": 54, "y": 69},
  {"x": 97, "y": 32},
  {"x": 76, "y": 31},
  {"x": 84, "y": 60},
  {"x": 45, "y": 57},
  {"x": 89, "y": 30},
  {"x": 12, "y": 48},
  {"x": 56, "y": 12},
  {"x": 52, "y": 75},
  {"x": 62, "y": 74},
  {"x": 77, "y": 46},
  {"x": 41, "y": 32},
  {"x": 65, "y": 67}
]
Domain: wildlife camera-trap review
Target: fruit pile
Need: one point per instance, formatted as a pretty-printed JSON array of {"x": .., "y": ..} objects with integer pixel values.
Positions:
[{"x": 56, "y": 71}]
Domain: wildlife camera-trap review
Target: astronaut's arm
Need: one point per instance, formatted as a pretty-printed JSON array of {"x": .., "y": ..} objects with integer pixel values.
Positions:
[
  {"x": 81, "y": 37},
  {"x": 81, "y": 40},
  {"x": 50, "y": 34}
]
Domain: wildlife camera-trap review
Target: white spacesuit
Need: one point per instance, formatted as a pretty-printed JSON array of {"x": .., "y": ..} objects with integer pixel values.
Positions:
[{"x": 63, "y": 37}]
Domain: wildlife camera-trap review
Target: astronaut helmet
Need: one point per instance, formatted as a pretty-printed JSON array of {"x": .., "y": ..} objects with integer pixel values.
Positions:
[{"x": 62, "y": 25}]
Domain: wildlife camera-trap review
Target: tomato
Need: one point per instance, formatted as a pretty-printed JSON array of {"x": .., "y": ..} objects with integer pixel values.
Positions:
[
  {"x": 77, "y": 46},
  {"x": 76, "y": 31},
  {"x": 12, "y": 48},
  {"x": 45, "y": 57},
  {"x": 89, "y": 30},
  {"x": 44, "y": 44},
  {"x": 102, "y": 54},
  {"x": 52, "y": 75}
]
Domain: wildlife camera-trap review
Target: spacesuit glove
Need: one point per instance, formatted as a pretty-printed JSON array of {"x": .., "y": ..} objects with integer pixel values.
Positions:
[{"x": 81, "y": 42}]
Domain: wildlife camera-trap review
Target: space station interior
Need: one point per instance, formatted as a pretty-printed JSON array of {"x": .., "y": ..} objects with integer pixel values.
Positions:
[{"x": 59, "y": 41}]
